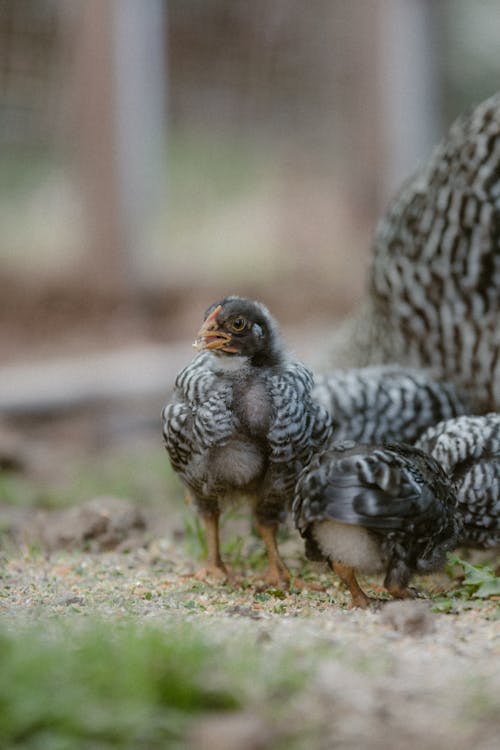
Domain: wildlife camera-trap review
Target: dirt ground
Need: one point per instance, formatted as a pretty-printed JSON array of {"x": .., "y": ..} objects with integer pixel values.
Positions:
[{"x": 398, "y": 676}]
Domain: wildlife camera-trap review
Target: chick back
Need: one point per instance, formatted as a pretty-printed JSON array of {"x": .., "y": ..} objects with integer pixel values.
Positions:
[{"x": 397, "y": 494}]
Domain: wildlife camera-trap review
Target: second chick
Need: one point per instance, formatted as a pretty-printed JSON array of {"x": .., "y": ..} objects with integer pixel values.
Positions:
[{"x": 372, "y": 508}]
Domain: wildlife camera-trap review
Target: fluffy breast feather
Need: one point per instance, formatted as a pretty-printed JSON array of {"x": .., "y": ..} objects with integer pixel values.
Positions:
[{"x": 350, "y": 545}]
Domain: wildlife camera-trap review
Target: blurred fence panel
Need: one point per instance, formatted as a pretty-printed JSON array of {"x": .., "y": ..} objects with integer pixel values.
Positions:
[
  {"x": 122, "y": 118},
  {"x": 289, "y": 125}
]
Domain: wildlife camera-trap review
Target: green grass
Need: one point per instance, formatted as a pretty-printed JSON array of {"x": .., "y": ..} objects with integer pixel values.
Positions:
[
  {"x": 214, "y": 168},
  {"x": 218, "y": 183},
  {"x": 143, "y": 476},
  {"x": 477, "y": 582},
  {"x": 120, "y": 686},
  {"x": 23, "y": 168},
  {"x": 241, "y": 546},
  {"x": 195, "y": 542},
  {"x": 18, "y": 490}
]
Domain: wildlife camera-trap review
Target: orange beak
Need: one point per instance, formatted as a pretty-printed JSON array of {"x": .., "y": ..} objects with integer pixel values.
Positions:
[{"x": 210, "y": 336}]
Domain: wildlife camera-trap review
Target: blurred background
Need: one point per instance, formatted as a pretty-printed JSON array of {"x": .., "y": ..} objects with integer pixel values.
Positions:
[{"x": 157, "y": 155}]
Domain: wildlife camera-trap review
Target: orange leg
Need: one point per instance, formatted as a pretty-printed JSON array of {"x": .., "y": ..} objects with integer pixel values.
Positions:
[
  {"x": 277, "y": 573},
  {"x": 347, "y": 576},
  {"x": 214, "y": 568}
]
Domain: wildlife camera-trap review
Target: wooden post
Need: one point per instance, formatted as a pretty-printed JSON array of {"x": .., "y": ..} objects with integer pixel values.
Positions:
[
  {"x": 408, "y": 88},
  {"x": 121, "y": 106}
]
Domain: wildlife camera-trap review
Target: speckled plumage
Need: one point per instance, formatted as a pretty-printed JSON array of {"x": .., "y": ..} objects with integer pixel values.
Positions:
[
  {"x": 242, "y": 421},
  {"x": 434, "y": 289},
  {"x": 204, "y": 420},
  {"x": 384, "y": 403},
  {"x": 393, "y": 503},
  {"x": 468, "y": 449}
]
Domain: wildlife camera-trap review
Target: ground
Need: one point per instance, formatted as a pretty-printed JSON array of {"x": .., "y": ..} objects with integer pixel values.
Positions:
[{"x": 111, "y": 546}]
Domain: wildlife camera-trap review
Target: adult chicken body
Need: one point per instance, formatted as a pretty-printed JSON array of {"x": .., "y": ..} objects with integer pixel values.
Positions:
[{"x": 433, "y": 299}]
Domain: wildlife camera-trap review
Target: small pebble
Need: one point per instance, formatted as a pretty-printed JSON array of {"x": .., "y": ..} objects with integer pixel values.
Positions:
[
  {"x": 243, "y": 611},
  {"x": 69, "y": 600},
  {"x": 409, "y": 617},
  {"x": 229, "y": 731}
]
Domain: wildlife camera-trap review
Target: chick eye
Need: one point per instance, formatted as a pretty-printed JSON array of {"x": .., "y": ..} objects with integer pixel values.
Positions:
[{"x": 238, "y": 325}]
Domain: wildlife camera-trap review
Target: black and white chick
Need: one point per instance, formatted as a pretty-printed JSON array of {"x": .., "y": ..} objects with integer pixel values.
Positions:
[
  {"x": 386, "y": 402},
  {"x": 376, "y": 508},
  {"x": 468, "y": 449},
  {"x": 243, "y": 424}
]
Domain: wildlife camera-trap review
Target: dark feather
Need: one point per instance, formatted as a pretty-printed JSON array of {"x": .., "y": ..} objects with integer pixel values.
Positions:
[{"x": 394, "y": 491}]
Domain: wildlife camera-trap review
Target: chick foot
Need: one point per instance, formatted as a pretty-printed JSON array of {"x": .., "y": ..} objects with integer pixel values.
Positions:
[{"x": 218, "y": 573}]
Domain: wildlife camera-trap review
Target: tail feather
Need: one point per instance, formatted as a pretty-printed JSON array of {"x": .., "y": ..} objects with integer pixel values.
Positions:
[
  {"x": 378, "y": 488},
  {"x": 380, "y": 504}
]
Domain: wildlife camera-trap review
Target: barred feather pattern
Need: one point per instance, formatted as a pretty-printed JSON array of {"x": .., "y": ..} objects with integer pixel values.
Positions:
[
  {"x": 468, "y": 449},
  {"x": 397, "y": 492},
  {"x": 200, "y": 414},
  {"x": 298, "y": 423},
  {"x": 204, "y": 415},
  {"x": 434, "y": 297},
  {"x": 384, "y": 403}
]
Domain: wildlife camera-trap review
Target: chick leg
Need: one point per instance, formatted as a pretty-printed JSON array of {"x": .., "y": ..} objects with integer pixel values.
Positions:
[
  {"x": 347, "y": 576},
  {"x": 277, "y": 573},
  {"x": 214, "y": 568},
  {"x": 397, "y": 579}
]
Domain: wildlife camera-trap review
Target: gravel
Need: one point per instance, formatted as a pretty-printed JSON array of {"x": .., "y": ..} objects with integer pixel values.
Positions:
[{"x": 400, "y": 676}]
